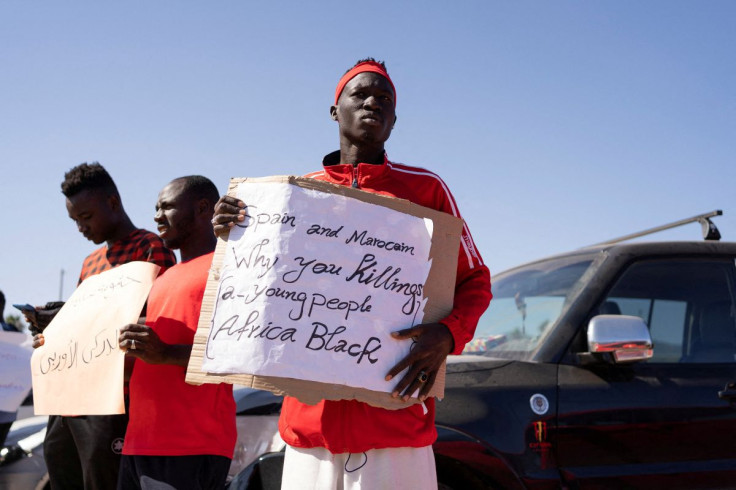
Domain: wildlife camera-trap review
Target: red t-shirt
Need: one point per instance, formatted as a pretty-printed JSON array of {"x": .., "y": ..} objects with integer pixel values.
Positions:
[
  {"x": 352, "y": 426},
  {"x": 169, "y": 417}
]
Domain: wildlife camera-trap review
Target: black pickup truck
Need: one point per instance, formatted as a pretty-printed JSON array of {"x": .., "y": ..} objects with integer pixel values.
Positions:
[
  {"x": 608, "y": 367},
  {"x": 612, "y": 366}
]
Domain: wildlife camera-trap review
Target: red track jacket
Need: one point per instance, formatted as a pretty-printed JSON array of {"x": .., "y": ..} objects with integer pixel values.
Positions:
[{"x": 352, "y": 426}]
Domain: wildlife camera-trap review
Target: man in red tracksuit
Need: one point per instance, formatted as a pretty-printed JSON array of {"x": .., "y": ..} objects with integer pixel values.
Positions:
[{"x": 347, "y": 443}]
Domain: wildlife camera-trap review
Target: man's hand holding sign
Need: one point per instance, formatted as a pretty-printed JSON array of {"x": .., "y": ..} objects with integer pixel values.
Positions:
[
  {"x": 142, "y": 342},
  {"x": 433, "y": 344}
]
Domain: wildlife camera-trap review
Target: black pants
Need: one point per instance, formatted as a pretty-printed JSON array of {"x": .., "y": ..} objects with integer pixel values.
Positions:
[
  {"x": 4, "y": 429},
  {"x": 201, "y": 472},
  {"x": 84, "y": 452}
]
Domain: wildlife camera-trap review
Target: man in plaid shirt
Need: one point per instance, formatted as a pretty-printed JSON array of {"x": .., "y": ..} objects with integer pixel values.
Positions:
[{"x": 84, "y": 451}]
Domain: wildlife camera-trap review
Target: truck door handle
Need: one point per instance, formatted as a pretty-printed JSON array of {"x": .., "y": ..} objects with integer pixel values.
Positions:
[{"x": 728, "y": 393}]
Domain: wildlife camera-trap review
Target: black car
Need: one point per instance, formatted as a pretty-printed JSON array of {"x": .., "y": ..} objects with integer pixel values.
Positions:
[{"x": 609, "y": 367}]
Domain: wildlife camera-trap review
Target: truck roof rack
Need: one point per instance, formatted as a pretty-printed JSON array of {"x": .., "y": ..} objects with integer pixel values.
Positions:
[{"x": 710, "y": 232}]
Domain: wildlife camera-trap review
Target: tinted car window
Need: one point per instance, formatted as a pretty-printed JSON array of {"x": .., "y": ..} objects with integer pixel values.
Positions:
[
  {"x": 687, "y": 304},
  {"x": 526, "y": 303}
]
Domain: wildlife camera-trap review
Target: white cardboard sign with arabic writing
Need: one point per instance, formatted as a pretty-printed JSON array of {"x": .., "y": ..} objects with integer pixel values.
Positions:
[
  {"x": 79, "y": 369},
  {"x": 15, "y": 375},
  {"x": 314, "y": 284}
]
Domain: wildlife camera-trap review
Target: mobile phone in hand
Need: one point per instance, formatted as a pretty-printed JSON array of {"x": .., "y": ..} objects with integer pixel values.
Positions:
[
  {"x": 25, "y": 308},
  {"x": 31, "y": 314}
]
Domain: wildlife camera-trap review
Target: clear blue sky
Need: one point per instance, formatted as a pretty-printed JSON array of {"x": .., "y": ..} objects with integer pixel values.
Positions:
[{"x": 556, "y": 124}]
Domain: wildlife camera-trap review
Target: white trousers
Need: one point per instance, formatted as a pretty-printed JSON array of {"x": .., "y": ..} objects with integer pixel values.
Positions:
[{"x": 406, "y": 468}]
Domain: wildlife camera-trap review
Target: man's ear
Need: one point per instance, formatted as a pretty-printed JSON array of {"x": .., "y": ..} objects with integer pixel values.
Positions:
[
  {"x": 114, "y": 202},
  {"x": 333, "y": 112},
  {"x": 395, "y": 118},
  {"x": 205, "y": 206}
]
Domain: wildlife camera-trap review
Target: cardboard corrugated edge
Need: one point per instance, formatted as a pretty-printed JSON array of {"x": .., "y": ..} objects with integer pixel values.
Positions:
[{"x": 439, "y": 291}]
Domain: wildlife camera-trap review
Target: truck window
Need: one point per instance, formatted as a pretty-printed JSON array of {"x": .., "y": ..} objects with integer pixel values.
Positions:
[
  {"x": 687, "y": 304},
  {"x": 527, "y": 302}
]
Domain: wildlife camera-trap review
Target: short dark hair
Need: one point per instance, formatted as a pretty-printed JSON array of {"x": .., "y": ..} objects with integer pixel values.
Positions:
[
  {"x": 364, "y": 60},
  {"x": 200, "y": 187},
  {"x": 87, "y": 176}
]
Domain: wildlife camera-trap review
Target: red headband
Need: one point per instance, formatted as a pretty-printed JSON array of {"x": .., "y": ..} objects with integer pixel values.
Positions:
[{"x": 366, "y": 66}]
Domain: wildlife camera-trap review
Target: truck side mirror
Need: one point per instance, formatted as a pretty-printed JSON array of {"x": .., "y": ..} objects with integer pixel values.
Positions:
[{"x": 623, "y": 338}]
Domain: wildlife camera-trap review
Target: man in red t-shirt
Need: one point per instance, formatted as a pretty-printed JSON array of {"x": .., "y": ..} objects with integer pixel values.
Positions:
[
  {"x": 179, "y": 434},
  {"x": 349, "y": 444},
  {"x": 84, "y": 452}
]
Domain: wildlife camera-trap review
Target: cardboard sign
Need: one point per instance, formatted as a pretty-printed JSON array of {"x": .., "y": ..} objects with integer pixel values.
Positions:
[
  {"x": 15, "y": 375},
  {"x": 79, "y": 369},
  {"x": 302, "y": 299}
]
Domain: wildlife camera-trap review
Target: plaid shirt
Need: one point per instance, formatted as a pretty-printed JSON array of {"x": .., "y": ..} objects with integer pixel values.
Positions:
[{"x": 140, "y": 245}]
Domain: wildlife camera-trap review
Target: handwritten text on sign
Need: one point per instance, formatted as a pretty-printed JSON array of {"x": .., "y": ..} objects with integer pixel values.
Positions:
[
  {"x": 313, "y": 285},
  {"x": 79, "y": 369},
  {"x": 15, "y": 374}
]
